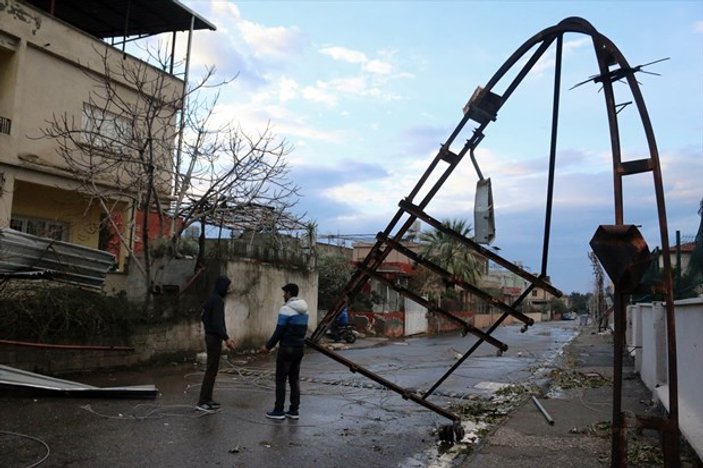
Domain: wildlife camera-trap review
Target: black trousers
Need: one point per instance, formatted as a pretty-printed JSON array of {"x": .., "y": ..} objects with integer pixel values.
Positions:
[
  {"x": 288, "y": 368},
  {"x": 213, "y": 346}
]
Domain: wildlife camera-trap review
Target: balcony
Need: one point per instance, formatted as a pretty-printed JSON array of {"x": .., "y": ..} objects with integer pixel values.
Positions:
[{"x": 5, "y": 125}]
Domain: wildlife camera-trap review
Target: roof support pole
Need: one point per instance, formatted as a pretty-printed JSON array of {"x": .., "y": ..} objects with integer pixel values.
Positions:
[{"x": 178, "y": 190}]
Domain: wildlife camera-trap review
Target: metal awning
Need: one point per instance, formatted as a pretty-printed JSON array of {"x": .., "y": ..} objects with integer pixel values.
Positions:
[
  {"x": 123, "y": 18},
  {"x": 19, "y": 379},
  {"x": 25, "y": 256}
]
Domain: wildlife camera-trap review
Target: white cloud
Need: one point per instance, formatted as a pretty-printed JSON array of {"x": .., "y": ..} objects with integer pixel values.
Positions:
[
  {"x": 224, "y": 9},
  {"x": 319, "y": 93},
  {"x": 344, "y": 54},
  {"x": 287, "y": 89},
  {"x": 253, "y": 117},
  {"x": 353, "y": 85},
  {"x": 548, "y": 60},
  {"x": 377, "y": 66},
  {"x": 698, "y": 26},
  {"x": 271, "y": 42},
  {"x": 263, "y": 42},
  {"x": 570, "y": 46}
]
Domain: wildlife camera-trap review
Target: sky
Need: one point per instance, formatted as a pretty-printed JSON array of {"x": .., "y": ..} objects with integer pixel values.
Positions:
[{"x": 367, "y": 91}]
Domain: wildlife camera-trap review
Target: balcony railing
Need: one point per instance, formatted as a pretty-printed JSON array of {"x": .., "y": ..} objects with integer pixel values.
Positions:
[{"x": 5, "y": 125}]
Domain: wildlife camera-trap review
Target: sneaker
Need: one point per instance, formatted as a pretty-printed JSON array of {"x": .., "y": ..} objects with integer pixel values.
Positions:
[
  {"x": 206, "y": 407},
  {"x": 214, "y": 404},
  {"x": 276, "y": 414},
  {"x": 292, "y": 414}
]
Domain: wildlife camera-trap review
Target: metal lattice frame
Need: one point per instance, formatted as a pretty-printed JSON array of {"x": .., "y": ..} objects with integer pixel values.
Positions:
[{"x": 482, "y": 109}]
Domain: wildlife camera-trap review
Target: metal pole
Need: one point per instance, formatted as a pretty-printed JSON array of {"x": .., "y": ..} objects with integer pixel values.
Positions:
[
  {"x": 541, "y": 409},
  {"x": 618, "y": 448},
  {"x": 552, "y": 157}
]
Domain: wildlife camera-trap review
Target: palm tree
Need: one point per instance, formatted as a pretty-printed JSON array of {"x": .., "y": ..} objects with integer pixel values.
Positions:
[
  {"x": 447, "y": 252},
  {"x": 691, "y": 283}
]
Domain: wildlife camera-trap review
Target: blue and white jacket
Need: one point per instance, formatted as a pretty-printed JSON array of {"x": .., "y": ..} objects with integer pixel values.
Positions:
[{"x": 292, "y": 325}]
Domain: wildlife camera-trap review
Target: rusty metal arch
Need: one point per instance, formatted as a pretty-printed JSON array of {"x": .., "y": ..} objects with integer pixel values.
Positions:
[{"x": 482, "y": 109}]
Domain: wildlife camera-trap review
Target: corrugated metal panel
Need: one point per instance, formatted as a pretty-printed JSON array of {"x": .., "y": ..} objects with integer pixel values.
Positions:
[
  {"x": 25, "y": 255},
  {"x": 21, "y": 379}
]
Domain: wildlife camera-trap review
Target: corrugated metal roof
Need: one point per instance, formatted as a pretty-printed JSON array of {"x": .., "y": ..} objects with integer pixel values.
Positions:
[
  {"x": 33, "y": 257},
  {"x": 13, "y": 378}
]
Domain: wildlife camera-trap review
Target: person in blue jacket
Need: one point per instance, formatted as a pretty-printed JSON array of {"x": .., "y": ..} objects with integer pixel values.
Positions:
[
  {"x": 213, "y": 317},
  {"x": 291, "y": 327}
]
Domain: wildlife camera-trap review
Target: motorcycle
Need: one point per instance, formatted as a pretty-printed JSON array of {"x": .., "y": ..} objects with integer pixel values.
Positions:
[{"x": 345, "y": 333}]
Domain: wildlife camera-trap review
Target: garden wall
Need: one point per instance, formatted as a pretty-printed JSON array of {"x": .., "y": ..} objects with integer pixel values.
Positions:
[{"x": 251, "y": 312}]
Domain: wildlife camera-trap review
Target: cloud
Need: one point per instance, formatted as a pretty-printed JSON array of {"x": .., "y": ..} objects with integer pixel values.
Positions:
[
  {"x": 373, "y": 66},
  {"x": 330, "y": 92},
  {"x": 682, "y": 170},
  {"x": 351, "y": 84},
  {"x": 548, "y": 60},
  {"x": 320, "y": 93},
  {"x": 254, "y": 117},
  {"x": 698, "y": 26},
  {"x": 287, "y": 89},
  {"x": 421, "y": 139},
  {"x": 262, "y": 42},
  {"x": 346, "y": 172},
  {"x": 243, "y": 47},
  {"x": 378, "y": 67},
  {"x": 335, "y": 195},
  {"x": 277, "y": 43},
  {"x": 344, "y": 54}
]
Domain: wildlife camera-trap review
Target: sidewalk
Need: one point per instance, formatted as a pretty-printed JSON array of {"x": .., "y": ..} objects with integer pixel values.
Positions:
[{"x": 580, "y": 403}]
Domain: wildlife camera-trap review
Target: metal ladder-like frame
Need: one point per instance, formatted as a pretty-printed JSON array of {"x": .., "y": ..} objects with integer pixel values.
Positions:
[{"x": 482, "y": 109}]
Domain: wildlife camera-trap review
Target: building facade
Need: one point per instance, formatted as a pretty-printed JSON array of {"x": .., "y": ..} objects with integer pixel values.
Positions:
[{"x": 55, "y": 67}]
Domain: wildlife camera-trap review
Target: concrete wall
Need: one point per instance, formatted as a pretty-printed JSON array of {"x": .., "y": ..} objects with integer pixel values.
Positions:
[
  {"x": 179, "y": 342},
  {"x": 486, "y": 320},
  {"x": 255, "y": 297},
  {"x": 251, "y": 312},
  {"x": 392, "y": 324},
  {"x": 165, "y": 272},
  {"x": 647, "y": 330}
]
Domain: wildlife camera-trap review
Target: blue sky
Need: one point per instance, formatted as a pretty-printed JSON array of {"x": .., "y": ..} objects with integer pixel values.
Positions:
[{"x": 366, "y": 92}]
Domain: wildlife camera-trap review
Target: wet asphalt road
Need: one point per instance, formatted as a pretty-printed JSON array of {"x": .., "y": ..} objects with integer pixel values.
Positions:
[{"x": 346, "y": 419}]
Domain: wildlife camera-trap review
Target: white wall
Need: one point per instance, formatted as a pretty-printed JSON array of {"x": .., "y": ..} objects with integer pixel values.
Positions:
[
  {"x": 251, "y": 308},
  {"x": 648, "y": 332}
]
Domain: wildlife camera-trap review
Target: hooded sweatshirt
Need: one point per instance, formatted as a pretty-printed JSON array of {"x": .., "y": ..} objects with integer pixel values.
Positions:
[
  {"x": 214, "y": 310},
  {"x": 292, "y": 325}
]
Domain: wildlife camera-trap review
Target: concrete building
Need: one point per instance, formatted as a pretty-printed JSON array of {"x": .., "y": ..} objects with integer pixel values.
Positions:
[{"x": 54, "y": 55}]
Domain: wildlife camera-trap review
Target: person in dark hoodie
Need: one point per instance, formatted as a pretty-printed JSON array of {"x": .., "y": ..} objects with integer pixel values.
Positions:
[
  {"x": 291, "y": 327},
  {"x": 213, "y": 317}
]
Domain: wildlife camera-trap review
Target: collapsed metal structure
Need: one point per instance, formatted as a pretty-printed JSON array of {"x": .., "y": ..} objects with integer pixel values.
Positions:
[{"x": 619, "y": 247}]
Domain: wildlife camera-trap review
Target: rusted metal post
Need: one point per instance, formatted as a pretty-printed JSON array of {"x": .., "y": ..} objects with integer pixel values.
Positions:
[{"x": 618, "y": 452}]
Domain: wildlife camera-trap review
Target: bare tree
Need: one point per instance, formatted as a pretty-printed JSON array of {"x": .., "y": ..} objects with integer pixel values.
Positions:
[{"x": 137, "y": 146}]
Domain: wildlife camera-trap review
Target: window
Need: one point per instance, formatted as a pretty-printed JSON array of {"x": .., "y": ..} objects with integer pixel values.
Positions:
[
  {"x": 5, "y": 125},
  {"x": 105, "y": 130},
  {"x": 41, "y": 227}
]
